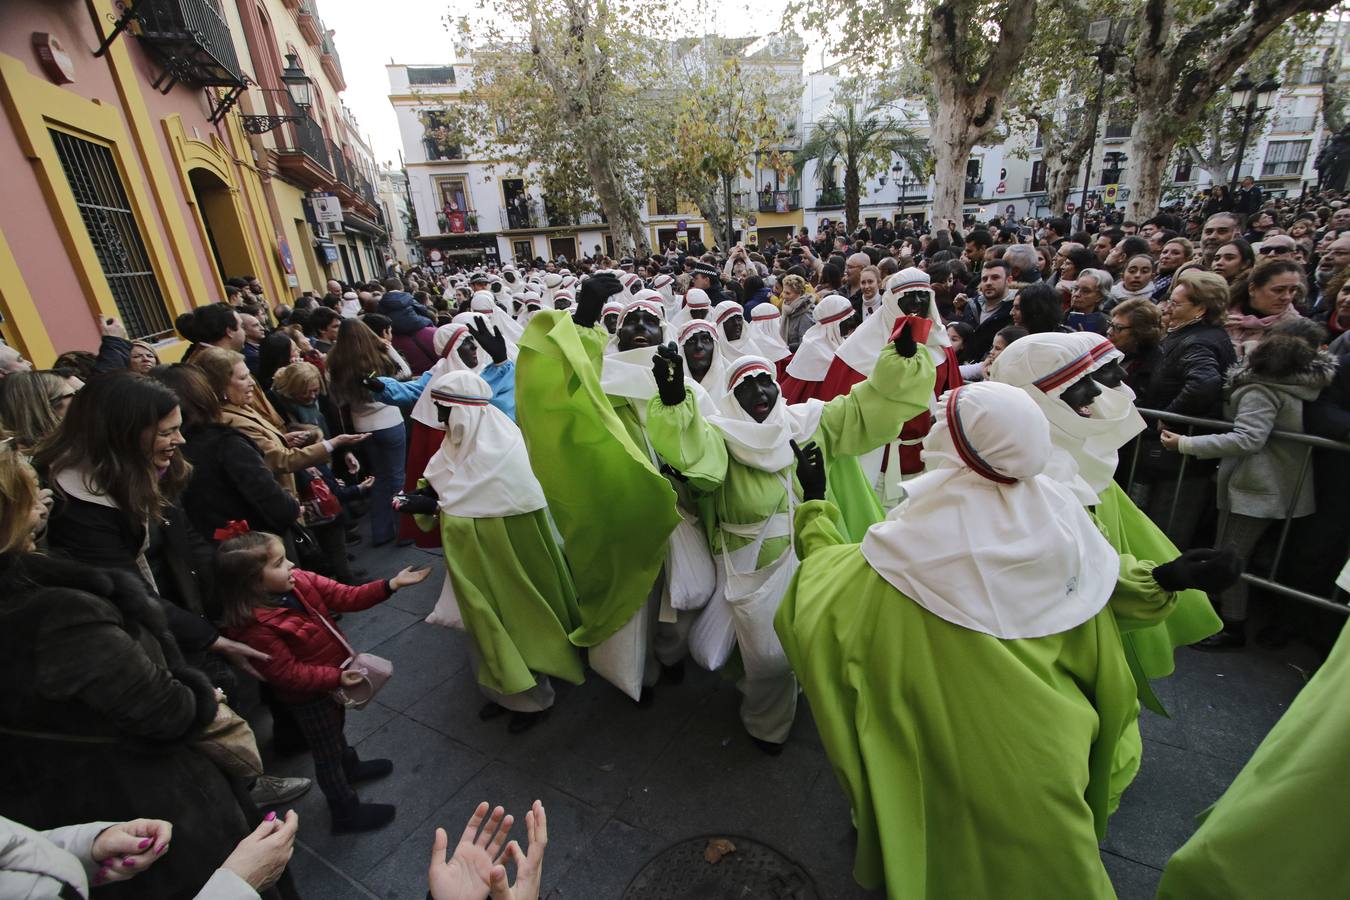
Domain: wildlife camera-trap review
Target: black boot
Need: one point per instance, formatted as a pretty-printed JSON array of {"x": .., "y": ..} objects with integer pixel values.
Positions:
[
  {"x": 524, "y": 721},
  {"x": 767, "y": 747},
  {"x": 1233, "y": 637},
  {"x": 672, "y": 674},
  {"x": 358, "y": 770},
  {"x": 357, "y": 816}
]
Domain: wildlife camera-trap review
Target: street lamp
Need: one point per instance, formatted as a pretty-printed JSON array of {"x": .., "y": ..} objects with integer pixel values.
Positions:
[
  {"x": 1253, "y": 100},
  {"x": 299, "y": 88}
]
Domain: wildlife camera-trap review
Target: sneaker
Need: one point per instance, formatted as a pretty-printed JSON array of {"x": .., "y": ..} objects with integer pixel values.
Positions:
[
  {"x": 362, "y": 817},
  {"x": 269, "y": 790}
]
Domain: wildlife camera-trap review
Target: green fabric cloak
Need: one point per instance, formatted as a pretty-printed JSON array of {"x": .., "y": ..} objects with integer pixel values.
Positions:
[
  {"x": 975, "y": 767},
  {"x": 515, "y": 596},
  {"x": 1280, "y": 830},
  {"x": 613, "y": 509}
]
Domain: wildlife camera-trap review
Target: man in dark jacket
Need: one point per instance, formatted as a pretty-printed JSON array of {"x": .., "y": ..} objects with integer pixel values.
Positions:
[
  {"x": 1249, "y": 197},
  {"x": 992, "y": 314}
]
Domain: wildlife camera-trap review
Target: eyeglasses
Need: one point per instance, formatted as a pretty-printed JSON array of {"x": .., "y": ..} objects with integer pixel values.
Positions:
[
  {"x": 1271, "y": 251},
  {"x": 1114, "y": 327}
]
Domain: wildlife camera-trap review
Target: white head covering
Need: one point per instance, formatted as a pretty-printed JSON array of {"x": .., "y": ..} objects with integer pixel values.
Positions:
[
  {"x": 765, "y": 333},
  {"x": 664, "y": 285},
  {"x": 530, "y": 304},
  {"x": 714, "y": 379},
  {"x": 350, "y": 307},
  {"x": 1045, "y": 366},
  {"x": 628, "y": 373},
  {"x": 483, "y": 302},
  {"x": 611, "y": 306},
  {"x": 731, "y": 350},
  {"x": 695, "y": 298},
  {"x": 762, "y": 445},
  {"x": 446, "y": 343},
  {"x": 562, "y": 294},
  {"x": 861, "y": 349},
  {"x": 984, "y": 540},
  {"x": 481, "y": 469},
  {"x": 821, "y": 341}
]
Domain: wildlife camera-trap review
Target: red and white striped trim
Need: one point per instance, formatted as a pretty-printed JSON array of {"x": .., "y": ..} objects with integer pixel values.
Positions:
[
  {"x": 1074, "y": 369},
  {"x": 728, "y": 313},
  {"x": 837, "y": 317},
  {"x": 688, "y": 329},
  {"x": 650, "y": 306},
  {"x": 908, "y": 286},
  {"x": 963, "y": 448},
  {"x": 764, "y": 311},
  {"x": 459, "y": 399},
  {"x": 747, "y": 370},
  {"x": 457, "y": 337}
]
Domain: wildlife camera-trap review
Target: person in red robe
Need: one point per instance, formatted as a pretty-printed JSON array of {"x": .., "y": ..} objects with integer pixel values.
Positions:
[{"x": 804, "y": 376}]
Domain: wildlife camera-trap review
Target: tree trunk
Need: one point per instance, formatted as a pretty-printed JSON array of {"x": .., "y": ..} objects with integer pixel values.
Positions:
[
  {"x": 616, "y": 202},
  {"x": 1151, "y": 144},
  {"x": 706, "y": 201},
  {"x": 852, "y": 188},
  {"x": 951, "y": 150},
  {"x": 1059, "y": 184}
]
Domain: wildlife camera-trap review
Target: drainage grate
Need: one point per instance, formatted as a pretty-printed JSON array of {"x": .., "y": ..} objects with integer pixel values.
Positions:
[{"x": 753, "y": 871}]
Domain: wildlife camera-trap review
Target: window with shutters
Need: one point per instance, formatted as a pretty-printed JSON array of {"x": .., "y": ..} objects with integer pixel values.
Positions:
[{"x": 111, "y": 224}]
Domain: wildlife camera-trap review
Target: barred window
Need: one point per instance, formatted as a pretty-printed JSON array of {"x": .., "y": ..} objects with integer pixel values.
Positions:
[
  {"x": 1285, "y": 157},
  {"x": 115, "y": 233}
]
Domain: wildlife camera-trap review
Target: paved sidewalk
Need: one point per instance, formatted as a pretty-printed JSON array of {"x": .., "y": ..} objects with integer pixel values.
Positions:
[{"x": 622, "y": 783}]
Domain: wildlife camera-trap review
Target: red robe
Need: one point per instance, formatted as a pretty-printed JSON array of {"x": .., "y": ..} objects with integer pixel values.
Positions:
[
  {"x": 840, "y": 379},
  {"x": 423, "y": 443}
]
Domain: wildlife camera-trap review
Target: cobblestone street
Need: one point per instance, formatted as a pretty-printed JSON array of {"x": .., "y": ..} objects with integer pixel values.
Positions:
[{"x": 622, "y": 783}]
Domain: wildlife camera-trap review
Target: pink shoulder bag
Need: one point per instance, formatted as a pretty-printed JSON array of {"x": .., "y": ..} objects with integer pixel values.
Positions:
[{"x": 375, "y": 670}]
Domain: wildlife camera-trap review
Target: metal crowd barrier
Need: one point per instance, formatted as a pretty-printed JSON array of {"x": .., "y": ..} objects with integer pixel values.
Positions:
[{"x": 1338, "y": 599}]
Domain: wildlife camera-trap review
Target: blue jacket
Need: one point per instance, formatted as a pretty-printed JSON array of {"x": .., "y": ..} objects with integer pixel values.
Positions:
[
  {"x": 408, "y": 316},
  {"x": 760, "y": 296}
]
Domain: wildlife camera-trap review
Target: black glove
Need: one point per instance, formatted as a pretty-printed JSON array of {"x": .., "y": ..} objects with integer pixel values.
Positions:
[
  {"x": 414, "y": 504},
  {"x": 372, "y": 383},
  {"x": 1205, "y": 568},
  {"x": 904, "y": 343},
  {"x": 810, "y": 470},
  {"x": 591, "y": 299},
  {"x": 490, "y": 339},
  {"x": 669, "y": 371}
]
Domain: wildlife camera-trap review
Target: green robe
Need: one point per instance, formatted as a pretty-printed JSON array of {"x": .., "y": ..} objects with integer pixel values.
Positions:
[
  {"x": 852, "y": 424},
  {"x": 593, "y": 473},
  {"x": 975, "y": 767},
  {"x": 515, "y": 596},
  {"x": 1281, "y": 829},
  {"x": 1149, "y": 650}
]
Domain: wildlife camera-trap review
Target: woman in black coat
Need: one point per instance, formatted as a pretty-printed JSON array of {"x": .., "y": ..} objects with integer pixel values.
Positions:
[{"x": 100, "y": 711}]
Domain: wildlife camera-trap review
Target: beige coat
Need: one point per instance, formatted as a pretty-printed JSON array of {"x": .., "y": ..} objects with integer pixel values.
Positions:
[{"x": 270, "y": 437}]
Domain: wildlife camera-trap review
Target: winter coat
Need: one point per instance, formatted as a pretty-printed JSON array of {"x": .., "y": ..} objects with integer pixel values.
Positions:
[
  {"x": 270, "y": 439},
  {"x": 230, "y": 481},
  {"x": 408, "y": 315},
  {"x": 1258, "y": 474},
  {"x": 98, "y": 718},
  {"x": 306, "y": 657},
  {"x": 798, "y": 317},
  {"x": 1188, "y": 379},
  {"x": 763, "y": 295}
]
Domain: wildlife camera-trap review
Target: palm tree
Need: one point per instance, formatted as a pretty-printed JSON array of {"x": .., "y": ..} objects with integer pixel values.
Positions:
[{"x": 863, "y": 139}]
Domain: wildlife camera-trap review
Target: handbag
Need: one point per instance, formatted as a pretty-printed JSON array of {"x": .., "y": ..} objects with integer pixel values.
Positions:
[
  {"x": 229, "y": 742},
  {"x": 375, "y": 670},
  {"x": 308, "y": 554},
  {"x": 321, "y": 504}
]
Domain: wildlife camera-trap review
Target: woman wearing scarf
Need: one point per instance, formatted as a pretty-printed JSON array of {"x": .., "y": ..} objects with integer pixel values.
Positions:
[
  {"x": 1075, "y": 380},
  {"x": 909, "y": 292},
  {"x": 963, "y": 663},
  {"x": 804, "y": 376},
  {"x": 766, "y": 334},
  {"x": 509, "y": 587},
  {"x": 583, "y": 412},
  {"x": 752, "y": 498}
]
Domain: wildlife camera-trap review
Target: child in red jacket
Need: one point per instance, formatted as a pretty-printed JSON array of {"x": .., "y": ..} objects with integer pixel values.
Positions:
[{"x": 274, "y": 607}]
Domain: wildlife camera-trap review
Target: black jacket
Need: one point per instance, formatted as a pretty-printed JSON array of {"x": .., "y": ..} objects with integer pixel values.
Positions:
[
  {"x": 1189, "y": 376},
  {"x": 231, "y": 482},
  {"x": 977, "y": 346}
]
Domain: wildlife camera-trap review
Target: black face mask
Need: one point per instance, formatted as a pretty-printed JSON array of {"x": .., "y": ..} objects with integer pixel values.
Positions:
[
  {"x": 733, "y": 327},
  {"x": 757, "y": 395},
  {"x": 846, "y": 327},
  {"x": 468, "y": 351},
  {"x": 611, "y": 322},
  {"x": 639, "y": 329},
  {"x": 562, "y": 303},
  {"x": 443, "y": 414},
  {"x": 698, "y": 354},
  {"x": 1110, "y": 375},
  {"x": 913, "y": 303},
  {"x": 1080, "y": 394},
  {"x": 698, "y": 312}
]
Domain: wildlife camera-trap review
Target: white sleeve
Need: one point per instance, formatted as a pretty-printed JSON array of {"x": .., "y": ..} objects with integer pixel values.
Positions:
[{"x": 226, "y": 885}]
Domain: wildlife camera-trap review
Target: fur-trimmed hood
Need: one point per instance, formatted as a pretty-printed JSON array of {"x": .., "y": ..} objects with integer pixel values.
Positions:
[{"x": 1304, "y": 382}]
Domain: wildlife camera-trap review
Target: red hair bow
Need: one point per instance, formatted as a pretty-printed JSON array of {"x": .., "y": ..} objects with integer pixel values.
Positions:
[{"x": 232, "y": 529}]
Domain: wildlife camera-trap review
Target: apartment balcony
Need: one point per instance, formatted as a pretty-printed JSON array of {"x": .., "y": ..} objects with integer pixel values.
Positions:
[
  {"x": 1294, "y": 124},
  {"x": 192, "y": 40},
  {"x": 1118, "y": 131},
  {"x": 458, "y": 222},
  {"x": 303, "y": 156},
  {"x": 829, "y": 197},
  {"x": 974, "y": 190},
  {"x": 1033, "y": 186},
  {"x": 332, "y": 65},
  {"x": 311, "y": 26},
  {"x": 779, "y": 201}
]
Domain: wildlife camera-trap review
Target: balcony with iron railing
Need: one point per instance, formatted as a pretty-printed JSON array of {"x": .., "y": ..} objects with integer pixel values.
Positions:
[
  {"x": 332, "y": 65},
  {"x": 339, "y": 163},
  {"x": 779, "y": 201},
  {"x": 974, "y": 189},
  {"x": 1294, "y": 124},
  {"x": 302, "y": 148},
  {"x": 830, "y": 196},
  {"x": 311, "y": 26},
  {"x": 1033, "y": 185},
  {"x": 192, "y": 40}
]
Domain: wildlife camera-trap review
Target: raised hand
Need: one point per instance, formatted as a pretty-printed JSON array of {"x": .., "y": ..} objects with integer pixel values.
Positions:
[
  {"x": 904, "y": 342},
  {"x": 591, "y": 299},
  {"x": 468, "y": 873},
  {"x": 810, "y": 470},
  {"x": 490, "y": 339},
  {"x": 668, "y": 368}
]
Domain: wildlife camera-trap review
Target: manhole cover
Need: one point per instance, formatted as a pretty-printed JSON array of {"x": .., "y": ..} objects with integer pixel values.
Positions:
[{"x": 752, "y": 871}]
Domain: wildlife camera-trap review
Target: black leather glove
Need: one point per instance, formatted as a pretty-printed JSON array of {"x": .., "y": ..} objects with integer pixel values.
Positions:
[
  {"x": 810, "y": 470},
  {"x": 490, "y": 339},
  {"x": 591, "y": 299},
  {"x": 904, "y": 343},
  {"x": 372, "y": 383},
  {"x": 414, "y": 504},
  {"x": 1205, "y": 568},
  {"x": 668, "y": 369}
]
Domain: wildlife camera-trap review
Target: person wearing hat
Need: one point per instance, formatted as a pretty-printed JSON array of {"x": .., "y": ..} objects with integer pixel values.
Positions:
[
  {"x": 583, "y": 408},
  {"x": 708, "y": 280},
  {"x": 804, "y": 376},
  {"x": 766, "y": 333},
  {"x": 753, "y": 496},
  {"x": 697, "y": 305},
  {"x": 732, "y": 341},
  {"x": 507, "y": 583},
  {"x": 969, "y": 682}
]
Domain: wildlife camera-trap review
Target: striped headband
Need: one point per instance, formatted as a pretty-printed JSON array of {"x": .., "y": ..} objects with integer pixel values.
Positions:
[
  {"x": 1073, "y": 369},
  {"x": 458, "y": 399},
  {"x": 837, "y": 317},
  {"x": 728, "y": 313},
  {"x": 912, "y": 286},
  {"x": 770, "y": 312},
  {"x": 747, "y": 370},
  {"x": 963, "y": 448},
  {"x": 661, "y": 281},
  {"x": 694, "y": 325},
  {"x": 650, "y": 306},
  {"x": 457, "y": 337}
]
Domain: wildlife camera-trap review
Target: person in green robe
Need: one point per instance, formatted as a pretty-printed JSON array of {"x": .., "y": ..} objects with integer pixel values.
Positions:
[
  {"x": 507, "y": 584},
  {"x": 964, "y": 665},
  {"x": 1280, "y": 830},
  {"x": 583, "y": 414},
  {"x": 752, "y": 495}
]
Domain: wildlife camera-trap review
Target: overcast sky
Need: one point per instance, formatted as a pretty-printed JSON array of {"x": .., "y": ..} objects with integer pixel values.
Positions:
[{"x": 371, "y": 34}]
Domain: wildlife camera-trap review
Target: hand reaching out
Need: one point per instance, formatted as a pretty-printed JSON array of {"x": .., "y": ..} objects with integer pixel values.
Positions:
[
  {"x": 668, "y": 369},
  {"x": 467, "y": 875},
  {"x": 591, "y": 299},
  {"x": 1170, "y": 440},
  {"x": 408, "y": 576},
  {"x": 810, "y": 470},
  {"x": 490, "y": 339}
]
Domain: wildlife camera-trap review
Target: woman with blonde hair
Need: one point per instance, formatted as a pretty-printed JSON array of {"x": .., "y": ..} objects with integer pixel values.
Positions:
[
  {"x": 32, "y": 404},
  {"x": 798, "y": 302}
]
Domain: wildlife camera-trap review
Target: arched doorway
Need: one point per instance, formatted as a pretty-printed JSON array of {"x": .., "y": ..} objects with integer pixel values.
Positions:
[{"x": 224, "y": 230}]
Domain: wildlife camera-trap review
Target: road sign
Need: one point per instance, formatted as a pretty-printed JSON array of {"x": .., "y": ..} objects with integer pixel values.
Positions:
[
  {"x": 327, "y": 208},
  {"x": 1109, "y": 193},
  {"x": 682, "y": 225}
]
